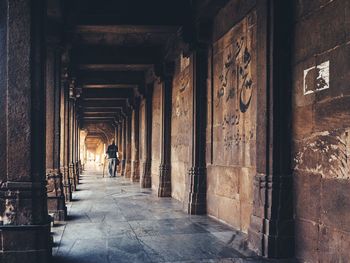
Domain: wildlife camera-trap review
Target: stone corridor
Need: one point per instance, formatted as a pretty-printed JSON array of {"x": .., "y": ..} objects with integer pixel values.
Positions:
[
  {"x": 113, "y": 220},
  {"x": 230, "y": 120}
]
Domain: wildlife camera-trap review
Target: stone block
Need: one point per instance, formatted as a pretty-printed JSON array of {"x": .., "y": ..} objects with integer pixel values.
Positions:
[
  {"x": 306, "y": 241},
  {"x": 335, "y": 204},
  {"x": 307, "y": 195},
  {"x": 228, "y": 182},
  {"x": 229, "y": 211},
  {"x": 332, "y": 114},
  {"x": 329, "y": 244},
  {"x": 246, "y": 179},
  {"x": 314, "y": 35},
  {"x": 305, "y": 7},
  {"x": 303, "y": 122},
  {"x": 246, "y": 212}
]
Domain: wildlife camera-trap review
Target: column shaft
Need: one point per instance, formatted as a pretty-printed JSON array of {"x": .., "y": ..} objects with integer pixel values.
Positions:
[
  {"x": 135, "y": 165},
  {"x": 124, "y": 147},
  {"x": 24, "y": 222},
  {"x": 164, "y": 189},
  {"x": 146, "y": 171},
  {"x": 127, "y": 171},
  {"x": 197, "y": 172},
  {"x": 56, "y": 201}
]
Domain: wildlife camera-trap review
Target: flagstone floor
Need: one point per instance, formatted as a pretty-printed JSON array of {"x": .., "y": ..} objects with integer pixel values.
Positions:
[{"x": 113, "y": 220}]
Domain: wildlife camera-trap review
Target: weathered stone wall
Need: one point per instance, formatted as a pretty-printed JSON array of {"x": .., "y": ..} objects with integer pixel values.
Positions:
[
  {"x": 181, "y": 127},
  {"x": 231, "y": 131},
  {"x": 321, "y": 126},
  {"x": 156, "y": 133}
]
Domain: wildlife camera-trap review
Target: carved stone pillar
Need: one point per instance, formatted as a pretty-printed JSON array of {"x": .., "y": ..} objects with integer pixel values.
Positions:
[
  {"x": 55, "y": 196},
  {"x": 65, "y": 138},
  {"x": 127, "y": 172},
  {"x": 146, "y": 166},
  {"x": 197, "y": 172},
  {"x": 164, "y": 188},
  {"x": 124, "y": 146},
  {"x": 271, "y": 231},
  {"x": 71, "y": 139},
  {"x": 135, "y": 165},
  {"x": 76, "y": 146},
  {"x": 24, "y": 221},
  {"x": 120, "y": 145}
]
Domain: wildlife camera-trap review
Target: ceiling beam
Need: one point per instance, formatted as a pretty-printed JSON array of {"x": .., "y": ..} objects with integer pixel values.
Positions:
[
  {"x": 125, "y": 29},
  {"x": 116, "y": 55}
]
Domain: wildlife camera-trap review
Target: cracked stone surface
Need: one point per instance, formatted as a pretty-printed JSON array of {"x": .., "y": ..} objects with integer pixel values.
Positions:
[{"x": 114, "y": 220}]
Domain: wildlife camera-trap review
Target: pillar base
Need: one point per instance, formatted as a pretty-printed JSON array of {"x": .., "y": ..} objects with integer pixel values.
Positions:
[
  {"x": 271, "y": 230},
  {"x": 55, "y": 197},
  {"x": 66, "y": 184},
  {"x": 271, "y": 246},
  {"x": 30, "y": 244},
  {"x": 135, "y": 171},
  {"x": 146, "y": 179},
  {"x": 197, "y": 201},
  {"x": 72, "y": 177},
  {"x": 127, "y": 172},
  {"x": 77, "y": 172},
  {"x": 57, "y": 207},
  {"x": 122, "y": 167},
  {"x": 164, "y": 189}
]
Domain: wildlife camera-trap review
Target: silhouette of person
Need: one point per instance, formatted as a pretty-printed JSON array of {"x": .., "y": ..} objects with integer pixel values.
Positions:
[{"x": 112, "y": 155}]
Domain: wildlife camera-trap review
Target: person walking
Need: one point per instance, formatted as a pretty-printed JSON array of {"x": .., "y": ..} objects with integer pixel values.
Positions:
[{"x": 112, "y": 155}]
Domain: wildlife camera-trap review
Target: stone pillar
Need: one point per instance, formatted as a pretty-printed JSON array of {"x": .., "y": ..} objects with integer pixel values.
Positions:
[
  {"x": 55, "y": 197},
  {"x": 164, "y": 189},
  {"x": 197, "y": 172},
  {"x": 76, "y": 145},
  {"x": 71, "y": 138},
  {"x": 24, "y": 221},
  {"x": 120, "y": 145},
  {"x": 145, "y": 180},
  {"x": 135, "y": 137},
  {"x": 65, "y": 139},
  {"x": 124, "y": 146},
  {"x": 271, "y": 231},
  {"x": 127, "y": 172}
]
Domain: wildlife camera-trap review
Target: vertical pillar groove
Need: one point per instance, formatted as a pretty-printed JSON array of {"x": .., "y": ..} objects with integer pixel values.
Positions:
[
  {"x": 146, "y": 171},
  {"x": 164, "y": 189},
  {"x": 197, "y": 172}
]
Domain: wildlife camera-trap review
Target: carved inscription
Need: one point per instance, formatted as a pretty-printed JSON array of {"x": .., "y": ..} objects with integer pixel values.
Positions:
[{"x": 234, "y": 89}]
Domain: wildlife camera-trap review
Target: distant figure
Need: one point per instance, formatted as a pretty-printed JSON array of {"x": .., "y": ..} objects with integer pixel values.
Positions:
[{"x": 112, "y": 155}]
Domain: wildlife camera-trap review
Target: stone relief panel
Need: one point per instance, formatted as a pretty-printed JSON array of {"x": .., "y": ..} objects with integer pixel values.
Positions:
[{"x": 234, "y": 96}]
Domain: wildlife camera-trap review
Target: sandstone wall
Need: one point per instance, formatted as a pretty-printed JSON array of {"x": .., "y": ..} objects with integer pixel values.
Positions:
[{"x": 321, "y": 126}]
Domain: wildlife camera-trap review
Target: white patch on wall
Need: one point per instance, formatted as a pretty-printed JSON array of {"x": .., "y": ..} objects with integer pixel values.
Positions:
[{"x": 316, "y": 78}]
